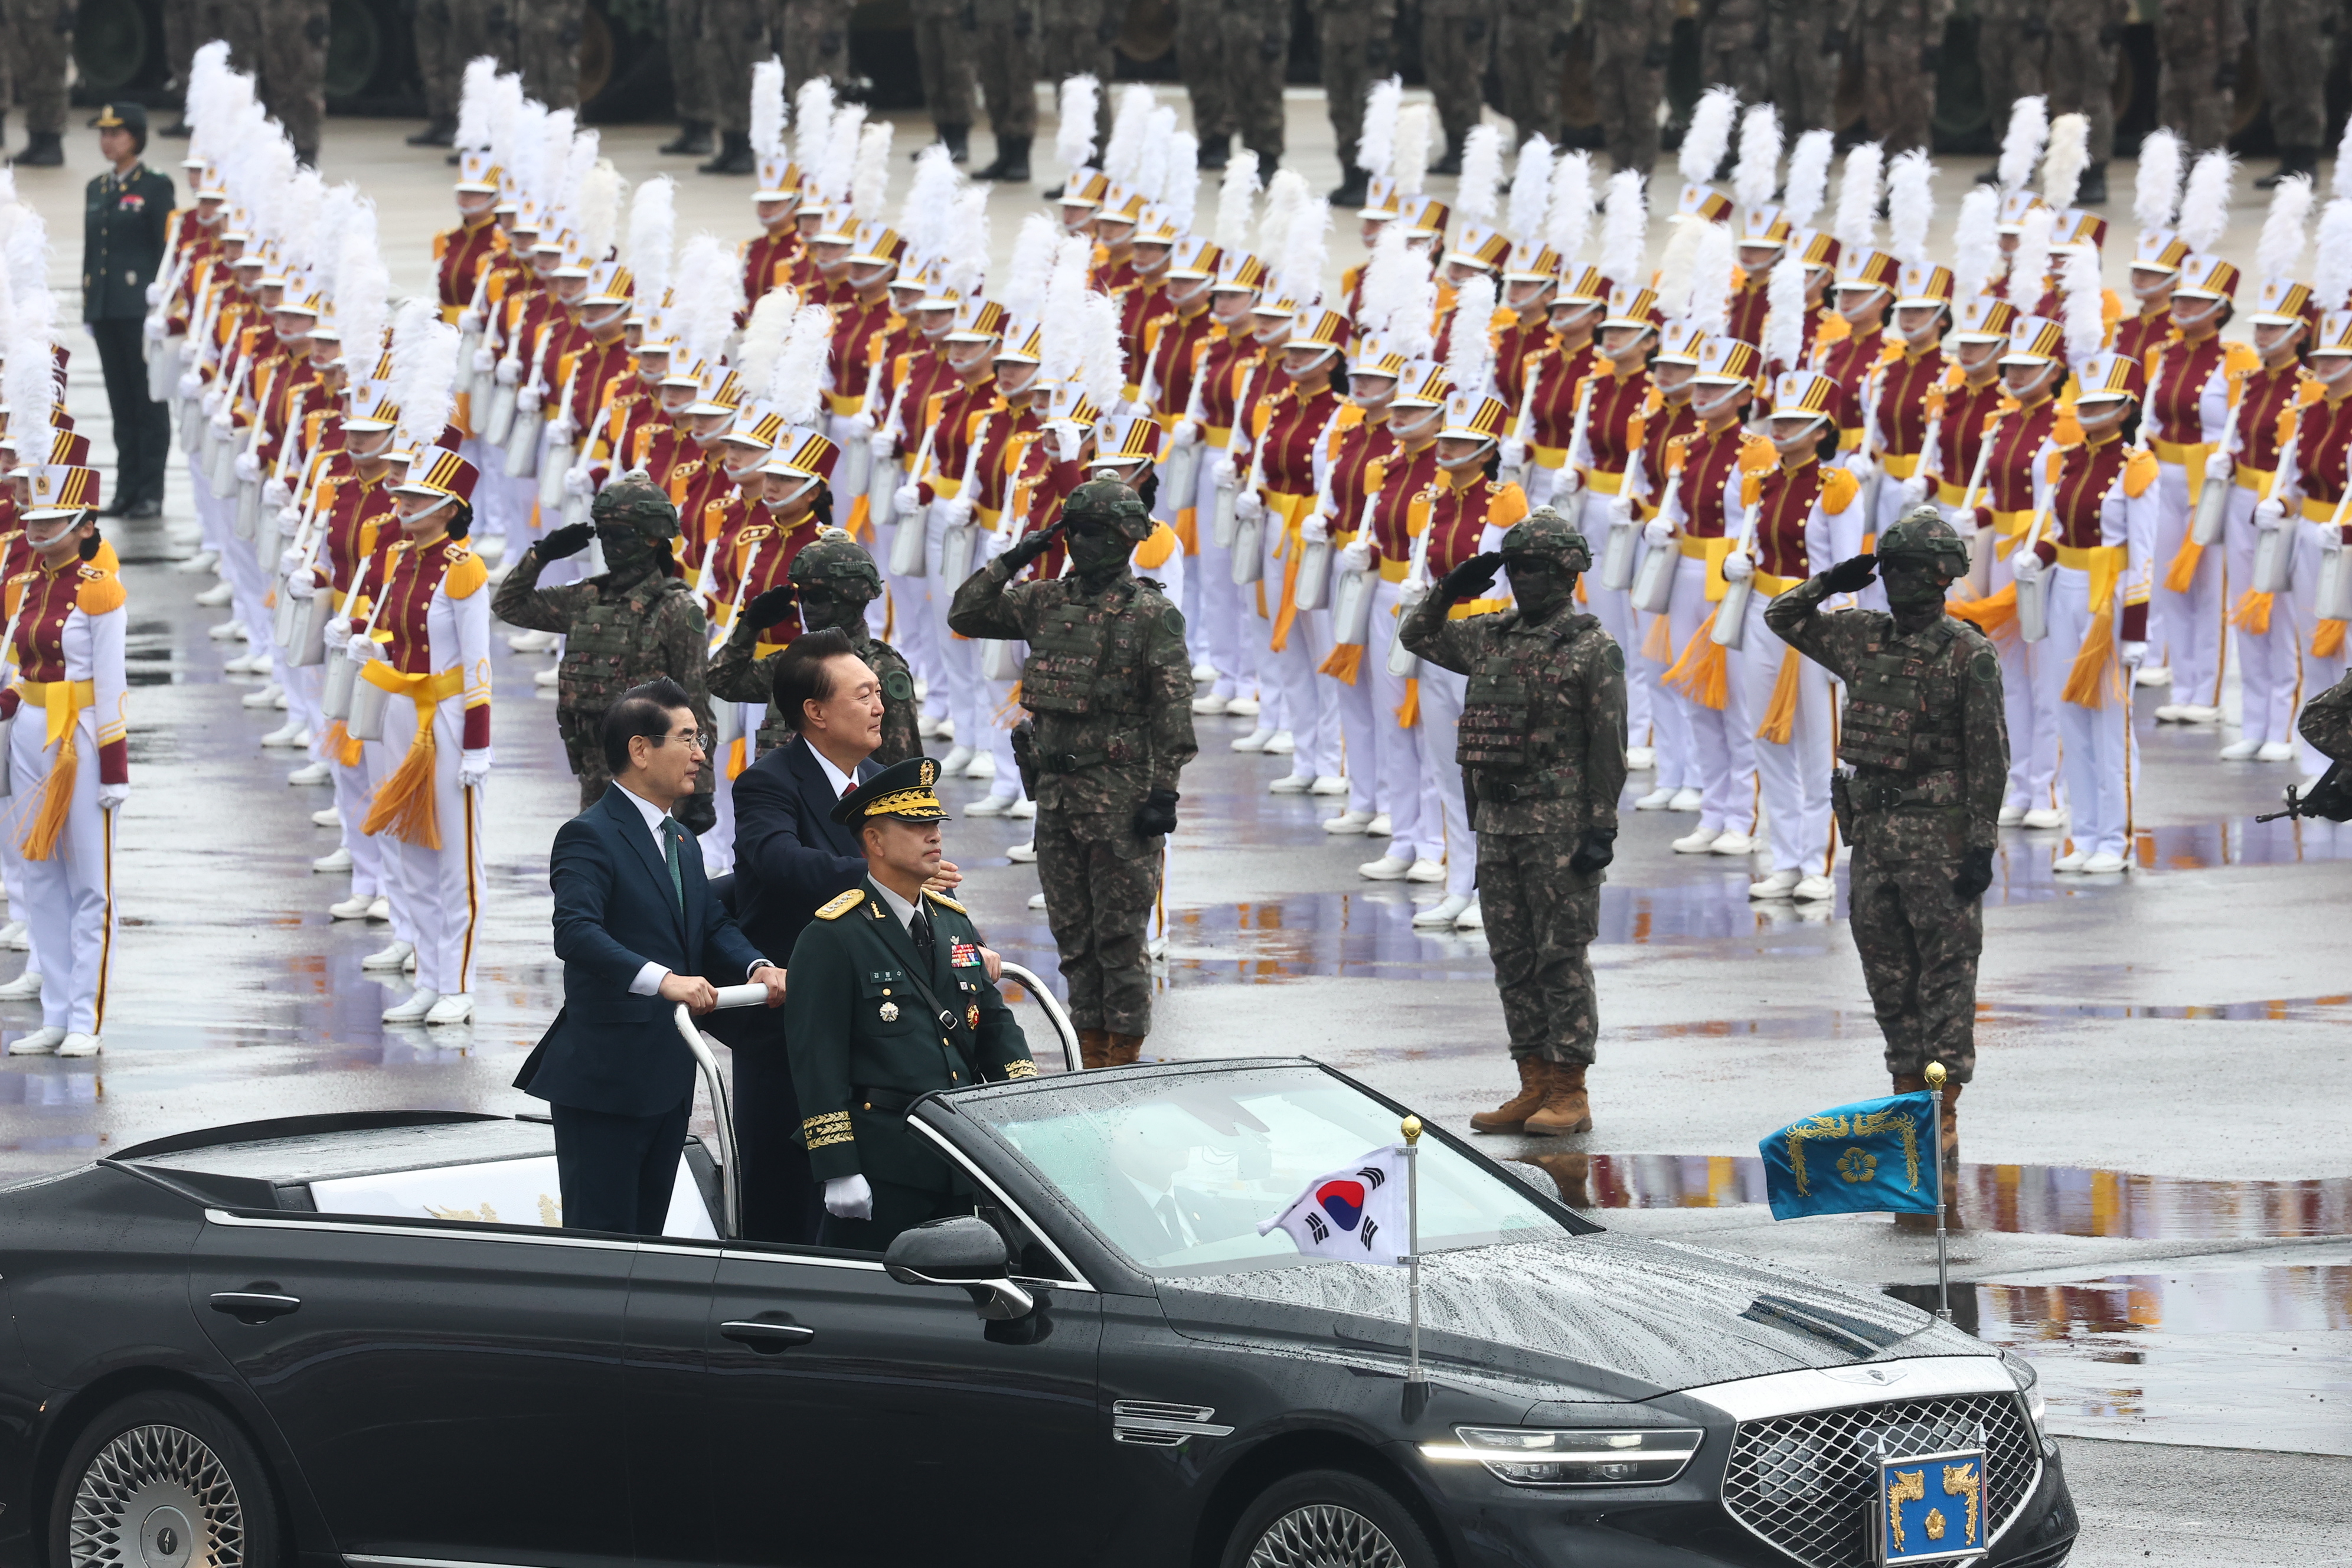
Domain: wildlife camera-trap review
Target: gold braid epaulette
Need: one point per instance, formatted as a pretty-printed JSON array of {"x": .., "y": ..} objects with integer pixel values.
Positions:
[
  {"x": 841, "y": 904},
  {"x": 943, "y": 901},
  {"x": 824, "y": 1132},
  {"x": 1025, "y": 1067}
]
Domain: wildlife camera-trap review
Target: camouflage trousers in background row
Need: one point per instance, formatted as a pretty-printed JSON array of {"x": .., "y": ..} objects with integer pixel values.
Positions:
[
  {"x": 812, "y": 39},
  {"x": 734, "y": 34},
  {"x": 36, "y": 40},
  {"x": 1075, "y": 36},
  {"x": 1530, "y": 49},
  {"x": 1899, "y": 91},
  {"x": 547, "y": 49},
  {"x": 943, "y": 59},
  {"x": 1629, "y": 76},
  {"x": 2193, "y": 39},
  {"x": 689, "y": 77},
  {"x": 1735, "y": 42},
  {"x": 1457, "y": 38},
  {"x": 2293, "y": 53},
  {"x": 2068, "y": 53},
  {"x": 1918, "y": 942},
  {"x": 1542, "y": 919},
  {"x": 1231, "y": 54},
  {"x": 1004, "y": 42},
  {"x": 1100, "y": 883},
  {"x": 1803, "y": 71},
  {"x": 1356, "y": 43},
  {"x": 448, "y": 34}
]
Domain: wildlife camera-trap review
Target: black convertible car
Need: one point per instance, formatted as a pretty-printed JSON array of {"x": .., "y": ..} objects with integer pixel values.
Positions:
[{"x": 356, "y": 1340}]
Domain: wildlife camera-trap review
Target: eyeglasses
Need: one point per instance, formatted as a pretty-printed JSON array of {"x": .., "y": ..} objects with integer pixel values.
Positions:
[{"x": 694, "y": 740}]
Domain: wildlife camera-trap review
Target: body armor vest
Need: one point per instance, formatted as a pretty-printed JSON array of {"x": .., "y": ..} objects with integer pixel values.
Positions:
[
  {"x": 1087, "y": 658},
  {"x": 608, "y": 650},
  {"x": 1890, "y": 723},
  {"x": 1517, "y": 722}
]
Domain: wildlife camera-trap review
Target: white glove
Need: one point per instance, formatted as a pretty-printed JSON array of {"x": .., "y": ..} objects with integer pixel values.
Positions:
[
  {"x": 1738, "y": 568},
  {"x": 848, "y": 1197},
  {"x": 2134, "y": 654},
  {"x": 112, "y": 796},
  {"x": 2270, "y": 515},
  {"x": 1067, "y": 438},
  {"x": 884, "y": 445},
  {"x": 485, "y": 363},
  {"x": 578, "y": 481},
  {"x": 908, "y": 499},
  {"x": 861, "y": 426},
  {"x": 2220, "y": 467},
  {"x": 1915, "y": 490},
  {"x": 509, "y": 372},
  {"x": 191, "y": 385},
  {"x": 302, "y": 586},
  {"x": 155, "y": 292},
  {"x": 289, "y": 518},
  {"x": 1621, "y": 511},
  {"x": 1514, "y": 453},
  {"x": 1240, "y": 448},
  {"x": 1569, "y": 484},
  {"x": 1356, "y": 555},
  {"x": 2027, "y": 566},
  {"x": 561, "y": 428},
  {"x": 1227, "y": 475},
  {"x": 156, "y": 329},
  {"x": 274, "y": 493},
  {"x": 213, "y": 395},
  {"x": 1248, "y": 507},
  {"x": 248, "y": 466},
  {"x": 1658, "y": 530},
  {"x": 187, "y": 350},
  {"x": 1315, "y": 530},
  {"x": 339, "y": 632},
  {"x": 1864, "y": 471},
  {"x": 470, "y": 321},
  {"x": 1186, "y": 434},
  {"x": 366, "y": 651},
  {"x": 527, "y": 400},
  {"x": 959, "y": 512},
  {"x": 291, "y": 561},
  {"x": 473, "y": 768}
]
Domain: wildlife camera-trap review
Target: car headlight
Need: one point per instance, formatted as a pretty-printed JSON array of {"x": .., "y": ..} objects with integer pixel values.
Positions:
[
  {"x": 1580, "y": 1456},
  {"x": 2028, "y": 1384}
]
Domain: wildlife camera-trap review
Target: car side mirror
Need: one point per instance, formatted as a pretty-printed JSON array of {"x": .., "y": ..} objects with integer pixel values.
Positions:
[{"x": 965, "y": 1251}]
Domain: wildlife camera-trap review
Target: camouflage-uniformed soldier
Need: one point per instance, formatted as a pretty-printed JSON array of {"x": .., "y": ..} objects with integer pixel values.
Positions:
[
  {"x": 1457, "y": 38},
  {"x": 1735, "y": 43},
  {"x": 813, "y": 39},
  {"x": 1923, "y": 734},
  {"x": 1530, "y": 49},
  {"x": 547, "y": 48},
  {"x": 284, "y": 44},
  {"x": 1230, "y": 54},
  {"x": 733, "y": 36},
  {"x": 830, "y": 582},
  {"x": 890, "y": 1000},
  {"x": 2327, "y": 721},
  {"x": 36, "y": 40},
  {"x": 2292, "y": 52},
  {"x": 1357, "y": 40},
  {"x": 1005, "y": 44},
  {"x": 1902, "y": 50},
  {"x": 690, "y": 89},
  {"x": 943, "y": 59},
  {"x": 1111, "y": 686},
  {"x": 1542, "y": 749},
  {"x": 1630, "y": 43},
  {"x": 620, "y": 629},
  {"x": 2068, "y": 54},
  {"x": 1805, "y": 49},
  {"x": 2197, "y": 43},
  {"x": 1078, "y": 38}
]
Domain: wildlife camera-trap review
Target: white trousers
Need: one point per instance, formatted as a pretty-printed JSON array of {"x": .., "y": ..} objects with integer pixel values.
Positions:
[
  {"x": 441, "y": 889},
  {"x": 2096, "y": 743},
  {"x": 1722, "y": 740},
  {"x": 2185, "y": 629},
  {"x": 1442, "y": 801},
  {"x": 354, "y": 794},
  {"x": 1614, "y": 606},
  {"x": 2032, "y": 674},
  {"x": 1352, "y": 707},
  {"x": 69, "y": 896},
  {"x": 1792, "y": 776},
  {"x": 2319, "y": 672},
  {"x": 959, "y": 668},
  {"x": 1397, "y": 750},
  {"x": 2269, "y": 668},
  {"x": 1288, "y": 671},
  {"x": 1222, "y": 605}
]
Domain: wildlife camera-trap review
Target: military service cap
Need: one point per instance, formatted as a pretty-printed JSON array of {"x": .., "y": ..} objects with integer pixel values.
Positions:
[
  {"x": 1921, "y": 537},
  {"x": 1110, "y": 501},
  {"x": 633, "y": 501},
  {"x": 902, "y": 790},
  {"x": 1545, "y": 532},
  {"x": 835, "y": 560}
]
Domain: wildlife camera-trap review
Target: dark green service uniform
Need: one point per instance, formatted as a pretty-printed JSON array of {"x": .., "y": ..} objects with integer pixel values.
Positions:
[
  {"x": 126, "y": 222},
  {"x": 872, "y": 1024}
]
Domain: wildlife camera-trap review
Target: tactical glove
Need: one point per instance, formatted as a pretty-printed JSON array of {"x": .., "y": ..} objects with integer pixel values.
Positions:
[
  {"x": 769, "y": 606},
  {"x": 1156, "y": 815},
  {"x": 1975, "y": 875},
  {"x": 1852, "y": 576},
  {"x": 1594, "y": 852},
  {"x": 1028, "y": 547},
  {"x": 1472, "y": 578},
  {"x": 570, "y": 539}
]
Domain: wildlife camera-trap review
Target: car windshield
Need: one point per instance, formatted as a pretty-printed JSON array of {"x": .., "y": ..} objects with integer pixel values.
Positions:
[{"x": 1178, "y": 1172}]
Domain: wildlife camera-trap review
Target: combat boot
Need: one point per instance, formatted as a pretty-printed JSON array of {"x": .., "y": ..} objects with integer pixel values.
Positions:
[
  {"x": 1353, "y": 190},
  {"x": 44, "y": 151},
  {"x": 1565, "y": 1107},
  {"x": 957, "y": 140},
  {"x": 734, "y": 155},
  {"x": 1513, "y": 1113},
  {"x": 1124, "y": 1050},
  {"x": 1094, "y": 1047},
  {"x": 2093, "y": 191},
  {"x": 1215, "y": 151},
  {"x": 2293, "y": 160},
  {"x": 693, "y": 138},
  {"x": 439, "y": 133},
  {"x": 1012, "y": 165}
]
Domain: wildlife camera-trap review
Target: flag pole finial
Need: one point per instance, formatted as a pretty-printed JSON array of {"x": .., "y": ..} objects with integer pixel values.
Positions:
[
  {"x": 1935, "y": 1075},
  {"x": 1411, "y": 1125}
]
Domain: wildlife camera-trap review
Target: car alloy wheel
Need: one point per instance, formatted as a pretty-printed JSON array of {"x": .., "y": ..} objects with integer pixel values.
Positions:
[
  {"x": 157, "y": 1496},
  {"x": 1325, "y": 1535}
]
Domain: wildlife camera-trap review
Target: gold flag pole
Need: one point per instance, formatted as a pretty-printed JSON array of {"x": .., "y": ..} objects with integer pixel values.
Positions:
[
  {"x": 1411, "y": 1128},
  {"x": 1935, "y": 1077}
]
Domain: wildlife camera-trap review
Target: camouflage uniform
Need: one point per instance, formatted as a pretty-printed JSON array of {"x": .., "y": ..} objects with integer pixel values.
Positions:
[
  {"x": 1630, "y": 40},
  {"x": 1929, "y": 749},
  {"x": 1111, "y": 686},
  {"x": 1004, "y": 52},
  {"x": 1457, "y": 37},
  {"x": 1530, "y": 51},
  {"x": 1735, "y": 48},
  {"x": 284, "y": 44},
  {"x": 943, "y": 59},
  {"x": 734, "y": 34},
  {"x": 842, "y": 564},
  {"x": 2292, "y": 52},
  {"x": 1356, "y": 42},
  {"x": 1898, "y": 84},
  {"x": 547, "y": 49},
  {"x": 689, "y": 79},
  {"x": 621, "y": 629},
  {"x": 2327, "y": 721},
  {"x": 35, "y": 41},
  {"x": 813, "y": 39},
  {"x": 1231, "y": 54},
  {"x": 1803, "y": 69},
  {"x": 1076, "y": 37},
  {"x": 2067, "y": 52},
  {"x": 2199, "y": 42}
]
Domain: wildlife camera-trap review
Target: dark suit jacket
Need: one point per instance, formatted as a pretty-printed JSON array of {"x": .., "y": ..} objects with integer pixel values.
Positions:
[
  {"x": 790, "y": 856},
  {"x": 608, "y": 1050}
]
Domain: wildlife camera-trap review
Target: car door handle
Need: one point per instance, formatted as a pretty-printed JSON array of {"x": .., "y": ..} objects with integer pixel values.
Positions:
[
  {"x": 767, "y": 1338},
  {"x": 253, "y": 1306}
]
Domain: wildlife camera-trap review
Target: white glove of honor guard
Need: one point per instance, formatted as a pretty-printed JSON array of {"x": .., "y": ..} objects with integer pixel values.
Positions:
[
  {"x": 485, "y": 363},
  {"x": 1514, "y": 453},
  {"x": 884, "y": 445},
  {"x": 1738, "y": 568},
  {"x": 908, "y": 499},
  {"x": 1067, "y": 438},
  {"x": 2219, "y": 467},
  {"x": 527, "y": 400},
  {"x": 156, "y": 329},
  {"x": 1658, "y": 530},
  {"x": 473, "y": 768},
  {"x": 470, "y": 321},
  {"x": 1186, "y": 434},
  {"x": 561, "y": 428},
  {"x": 112, "y": 796},
  {"x": 1621, "y": 511},
  {"x": 1915, "y": 490},
  {"x": 191, "y": 383},
  {"x": 291, "y": 561},
  {"x": 2270, "y": 515},
  {"x": 959, "y": 512},
  {"x": 2134, "y": 654},
  {"x": 579, "y": 482},
  {"x": 509, "y": 372},
  {"x": 1315, "y": 530},
  {"x": 1569, "y": 484},
  {"x": 366, "y": 651},
  {"x": 1356, "y": 555},
  {"x": 274, "y": 493},
  {"x": 155, "y": 292},
  {"x": 861, "y": 426},
  {"x": 339, "y": 632},
  {"x": 302, "y": 586},
  {"x": 1249, "y": 507},
  {"x": 848, "y": 1197},
  {"x": 248, "y": 466}
]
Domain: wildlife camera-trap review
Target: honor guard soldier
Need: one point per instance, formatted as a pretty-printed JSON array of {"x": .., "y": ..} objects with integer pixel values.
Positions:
[
  {"x": 633, "y": 624},
  {"x": 126, "y": 214},
  {"x": 831, "y": 582},
  {"x": 1924, "y": 734},
  {"x": 1542, "y": 751},
  {"x": 890, "y": 1001},
  {"x": 1111, "y": 686}
]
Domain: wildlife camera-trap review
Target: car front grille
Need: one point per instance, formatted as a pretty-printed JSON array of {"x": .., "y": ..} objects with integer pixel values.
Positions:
[{"x": 1803, "y": 1482}]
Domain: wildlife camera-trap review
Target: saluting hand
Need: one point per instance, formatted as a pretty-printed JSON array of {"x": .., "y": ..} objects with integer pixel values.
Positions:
[
  {"x": 1472, "y": 578},
  {"x": 1852, "y": 576},
  {"x": 769, "y": 606},
  {"x": 570, "y": 539}
]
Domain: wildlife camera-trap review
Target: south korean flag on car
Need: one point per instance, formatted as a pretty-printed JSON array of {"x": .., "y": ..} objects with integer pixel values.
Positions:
[{"x": 1357, "y": 1214}]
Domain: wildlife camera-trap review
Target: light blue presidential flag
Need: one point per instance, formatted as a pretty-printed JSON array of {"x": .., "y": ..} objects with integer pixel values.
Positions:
[
  {"x": 1873, "y": 1155},
  {"x": 1931, "y": 1507}
]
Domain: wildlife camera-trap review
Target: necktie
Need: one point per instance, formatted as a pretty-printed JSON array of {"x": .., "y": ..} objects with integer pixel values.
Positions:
[
  {"x": 920, "y": 928},
  {"x": 670, "y": 831}
]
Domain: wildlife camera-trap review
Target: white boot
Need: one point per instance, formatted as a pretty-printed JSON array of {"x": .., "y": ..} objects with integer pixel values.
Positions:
[
  {"x": 1292, "y": 784},
  {"x": 354, "y": 907},
  {"x": 1024, "y": 810},
  {"x": 1814, "y": 890},
  {"x": 1426, "y": 870},
  {"x": 989, "y": 805},
  {"x": 339, "y": 858},
  {"x": 1255, "y": 741},
  {"x": 1444, "y": 912},
  {"x": 1687, "y": 799},
  {"x": 2011, "y": 816},
  {"x": 982, "y": 766},
  {"x": 1379, "y": 828},
  {"x": 310, "y": 774},
  {"x": 1242, "y": 706},
  {"x": 219, "y": 594},
  {"x": 326, "y": 816},
  {"x": 2043, "y": 818},
  {"x": 1281, "y": 744},
  {"x": 1329, "y": 784},
  {"x": 413, "y": 1010},
  {"x": 42, "y": 1042},
  {"x": 391, "y": 957},
  {"x": 1731, "y": 841},
  {"x": 1023, "y": 854},
  {"x": 548, "y": 676},
  {"x": 1778, "y": 884},
  {"x": 1659, "y": 799},
  {"x": 2105, "y": 862},
  {"x": 202, "y": 560},
  {"x": 25, "y": 987},
  {"x": 954, "y": 764},
  {"x": 2275, "y": 752},
  {"x": 458, "y": 1007},
  {"x": 1348, "y": 822},
  {"x": 1387, "y": 868},
  {"x": 2241, "y": 750},
  {"x": 1697, "y": 841},
  {"x": 286, "y": 734},
  {"x": 14, "y": 935},
  {"x": 2072, "y": 862},
  {"x": 228, "y": 631},
  {"x": 1639, "y": 759},
  {"x": 1472, "y": 918},
  {"x": 78, "y": 1044},
  {"x": 382, "y": 911},
  {"x": 1208, "y": 705}
]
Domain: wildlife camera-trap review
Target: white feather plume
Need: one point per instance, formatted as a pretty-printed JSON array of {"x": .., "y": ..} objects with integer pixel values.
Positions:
[
  {"x": 2029, "y": 269},
  {"x": 2021, "y": 144},
  {"x": 570, "y": 159},
  {"x": 711, "y": 292},
  {"x": 525, "y": 155},
  {"x": 1976, "y": 243},
  {"x": 1237, "y": 195},
  {"x": 1306, "y": 247},
  {"x": 764, "y": 335},
  {"x": 2205, "y": 202},
  {"x": 2069, "y": 155},
  {"x": 1710, "y": 136},
  {"x": 1530, "y": 192},
  {"x": 1469, "y": 355},
  {"x": 1285, "y": 197},
  {"x": 1678, "y": 267},
  {"x": 1712, "y": 267},
  {"x": 767, "y": 108},
  {"x": 1151, "y": 162},
  {"x": 1061, "y": 307},
  {"x": 838, "y": 175},
  {"x": 796, "y": 384},
  {"x": 1025, "y": 277},
  {"x": 1758, "y": 173},
  {"x": 652, "y": 234},
  {"x": 28, "y": 380},
  {"x": 1856, "y": 223},
  {"x": 1416, "y": 128},
  {"x": 474, "y": 94},
  {"x": 1074, "y": 138},
  {"x": 1624, "y": 229},
  {"x": 1910, "y": 206},
  {"x": 871, "y": 181},
  {"x": 2084, "y": 303},
  {"x": 812, "y": 113},
  {"x": 1808, "y": 178},
  {"x": 2343, "y": 161},
  {"x": 599, "y": 209},
  {"x": 925, "y": 214},
  {"x": 1131, "y": 123},
  {"x": 965, "y": 266},
  {"x": 1103, "y": 375},
  {"x": 2155, "y": 188},
  {"x": 1784, "y": 315},
  {"x": 429, "y": 391},
  {"x": 2331, "y": 279},
  {"x": 29, "y": 256},
  {"x": 1376, "y": 145},
  {"x": 2279, "y": 252},
  {"x": 1480, "y": 194},
  {"x": 1568, "y": 219},
  {"x": 362, "y": 291},
  {"x": 1180, "y": 197},
  {"x": 1400, "y": 302}
]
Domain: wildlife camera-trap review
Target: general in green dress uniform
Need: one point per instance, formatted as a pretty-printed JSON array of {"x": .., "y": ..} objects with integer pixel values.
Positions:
[
  {"x": 890, "y": 1000},
  {"x": 126, "y": 221}
]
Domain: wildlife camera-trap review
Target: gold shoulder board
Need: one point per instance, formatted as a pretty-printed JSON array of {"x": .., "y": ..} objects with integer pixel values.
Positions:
[
  {"x": 841, "y": 905},
  {"x": 943, "y": 901}
]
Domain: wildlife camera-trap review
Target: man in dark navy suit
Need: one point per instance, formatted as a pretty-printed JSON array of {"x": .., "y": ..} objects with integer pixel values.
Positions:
[{"x": 639, "y": 931}]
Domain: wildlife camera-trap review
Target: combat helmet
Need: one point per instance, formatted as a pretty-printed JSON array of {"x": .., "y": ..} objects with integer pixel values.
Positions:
[
  {"x": 836, "y": 561},
  {"x": 632, "y": 501},
  {"x": 1544, "y": 532},
  {"x": 1921, "y": 538},
  {"x": 1106, "y": 500}
]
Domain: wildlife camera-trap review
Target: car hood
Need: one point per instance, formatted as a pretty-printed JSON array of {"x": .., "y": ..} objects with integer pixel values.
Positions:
[{"x": 1620, "y": 1317}]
